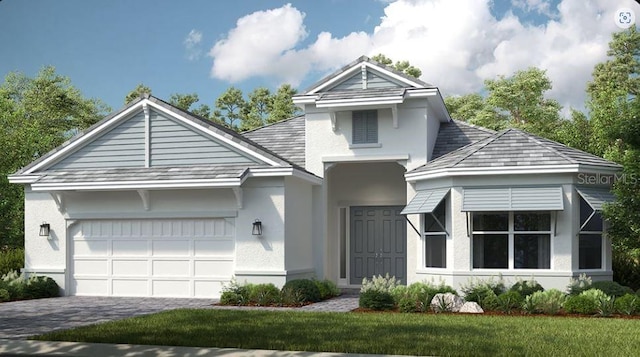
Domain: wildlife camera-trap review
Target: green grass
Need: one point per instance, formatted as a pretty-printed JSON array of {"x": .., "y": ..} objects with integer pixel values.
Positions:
[{"x": 383, "y": 333}]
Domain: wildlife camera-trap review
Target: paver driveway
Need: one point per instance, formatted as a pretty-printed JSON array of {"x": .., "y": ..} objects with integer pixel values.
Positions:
[{"x": 20, "y": 319}]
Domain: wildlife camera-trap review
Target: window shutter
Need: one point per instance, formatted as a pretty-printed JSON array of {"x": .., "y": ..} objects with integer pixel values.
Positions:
[
  {"x": 359, "y": 128},
  {"x": 365, "y": 127}
]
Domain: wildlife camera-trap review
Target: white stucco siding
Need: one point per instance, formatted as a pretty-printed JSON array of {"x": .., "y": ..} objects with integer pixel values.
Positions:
[
  {"x": 299, "y": 259},
  {"x": 44, "y": 255},
  {"x": 261, "y": 258},
  {"x": 433, "y": 127},
  {"x": 407, "y": 139}
]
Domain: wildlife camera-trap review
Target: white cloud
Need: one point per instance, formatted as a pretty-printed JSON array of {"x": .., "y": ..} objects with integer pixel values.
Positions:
[
  {"x": 457, "y": 44},
  {"x": 192, "y": 44}
]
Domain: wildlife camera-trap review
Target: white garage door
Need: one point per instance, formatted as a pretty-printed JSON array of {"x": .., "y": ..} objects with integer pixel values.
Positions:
[{"x": 154, "y": 257}]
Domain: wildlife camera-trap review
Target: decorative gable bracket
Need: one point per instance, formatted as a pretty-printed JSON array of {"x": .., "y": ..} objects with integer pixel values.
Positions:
[
  {"x": 237, "y": 191},
  {"x": 334, "y": 126},
  {"x": 59, "y": 200},
  {"x": 144, "y": 195},
  {"x": 394, "y": 115}
]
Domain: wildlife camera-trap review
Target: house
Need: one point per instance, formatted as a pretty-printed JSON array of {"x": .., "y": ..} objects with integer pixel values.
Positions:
[{"x": 374, "y": 178}]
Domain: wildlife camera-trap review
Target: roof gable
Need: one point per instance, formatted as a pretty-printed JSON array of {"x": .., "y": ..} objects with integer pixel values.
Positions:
[
  {"x": 365, "y": 73},
  {"x": 285, "y": 138},
  {"x": 152, "y": 133}
]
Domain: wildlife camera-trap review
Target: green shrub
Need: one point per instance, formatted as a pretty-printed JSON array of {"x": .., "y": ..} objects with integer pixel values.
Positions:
[
  {"x": 626, "y": 267},
  {"x": 235, "y": 294},
  {"x": 307, "y": 288},
  {"x": 627, "y": 304},
  {"x": 380, "y": 283},
  {"x": 547, "y": 302},
  {"x": 478, "y": 290},
  {"x": 580, "y": 304},
  {"x": 327, "y": 288},
  {"x": 291, "y": 297},
  {"x": 376, "y": 300},
  {"x": 11, "y": 259},
  {"x": 490, "y": 301},
  {"x": 38, "y": 287},
  {"x": 611, "y": 288},
  {"x": 509, "y": 301},
  {"x": 604, "y": 303},
  {"x": 577, "y": 286},
  {"x": 264, "y": 295},
  {"x": 526, "y": 287},
  {"x": 14, "y": 283},
  {"x": 4, "y": 295}
]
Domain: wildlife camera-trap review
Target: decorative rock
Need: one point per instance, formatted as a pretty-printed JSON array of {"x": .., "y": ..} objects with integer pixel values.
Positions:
[
  {"x": 471, "y": 307},
  {"x": 446, "y": 302}
]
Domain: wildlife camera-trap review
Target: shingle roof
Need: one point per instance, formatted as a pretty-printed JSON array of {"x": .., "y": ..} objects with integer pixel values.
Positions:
[
  {"x": 285, "y": 138},
  {"x": 362, "y": 93},
  {"x": 514, "y": 148},
  {"x": 144, "y": 174},
  {"x": 456, "y": 134}
]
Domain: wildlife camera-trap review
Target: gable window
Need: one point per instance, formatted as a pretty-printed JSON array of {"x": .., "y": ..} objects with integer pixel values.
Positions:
[
  {"x": 365, "y": 127},
  {"x": 511, "y": 240},
  {"x": 435, "y": 237},
  {"x": 590, "y": 238}
]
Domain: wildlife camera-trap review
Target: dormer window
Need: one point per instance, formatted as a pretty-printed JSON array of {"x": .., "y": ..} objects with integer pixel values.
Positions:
[{"x": 365, "y": 127}]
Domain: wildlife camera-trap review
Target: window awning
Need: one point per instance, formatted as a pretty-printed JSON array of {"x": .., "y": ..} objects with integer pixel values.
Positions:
[
  {"x": 512, "y": 199},
  {"x": 425, "y": 201},
  {"x": 596, "y": 196}
]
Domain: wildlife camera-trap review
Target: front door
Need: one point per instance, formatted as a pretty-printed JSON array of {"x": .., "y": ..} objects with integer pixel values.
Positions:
[{"x": 377, "y": 243}]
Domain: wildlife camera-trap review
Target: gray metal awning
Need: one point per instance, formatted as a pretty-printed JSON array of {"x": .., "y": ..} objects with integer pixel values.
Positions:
[
  {"x": 513, "y": 199},
  {"x": 425, "y": 201},
  {"x": 596, "y": 196}
]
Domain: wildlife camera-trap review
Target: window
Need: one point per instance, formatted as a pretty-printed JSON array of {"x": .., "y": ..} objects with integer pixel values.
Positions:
[
  {"x": 435, "y": 237},
  {"x": 590, "y": 238},
  {"x": 365, "y": 127},
  {"x": 527, "y": 233}
]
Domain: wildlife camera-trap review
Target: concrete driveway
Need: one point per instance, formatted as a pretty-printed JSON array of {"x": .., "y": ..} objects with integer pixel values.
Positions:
[{"x": 21, "y": 319}]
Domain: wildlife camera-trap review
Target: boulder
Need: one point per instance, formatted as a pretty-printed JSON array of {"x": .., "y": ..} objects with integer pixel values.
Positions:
[
  {"x": 446, "y": 302},
  {"x": 471, "y": 307}
]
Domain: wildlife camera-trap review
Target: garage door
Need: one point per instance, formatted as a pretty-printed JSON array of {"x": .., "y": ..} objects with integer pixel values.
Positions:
[{"x": 159, "y": 257}]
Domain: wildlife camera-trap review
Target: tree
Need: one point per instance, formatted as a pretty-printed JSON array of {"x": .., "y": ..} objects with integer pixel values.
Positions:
[
  {"x": 136, "y": 93},
  {"x": 183, "y": 101},
  {"x": 473, "y": 109},
  {"x": 257, "y": 109},
  {"x": 36, "y": 115},
  {"x": 282, "y": 104},
  {"x": 521, "y": 98},
  {"x": 402, "y": 66},
  {"x": 229, "y": 107}
]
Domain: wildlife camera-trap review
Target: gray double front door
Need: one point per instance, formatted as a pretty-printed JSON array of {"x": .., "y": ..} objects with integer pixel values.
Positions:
[{"x": 377, "y": 243}]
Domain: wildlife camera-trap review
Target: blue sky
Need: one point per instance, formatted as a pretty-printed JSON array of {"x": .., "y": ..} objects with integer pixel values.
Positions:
[{"x": 107, "y": 47}]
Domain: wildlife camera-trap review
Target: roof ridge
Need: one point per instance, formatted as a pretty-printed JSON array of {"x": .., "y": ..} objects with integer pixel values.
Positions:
[
  {"x": 545, "y": 143},
  {"x": 492, "y": 138},
  {"x": 271, "y": 124}
]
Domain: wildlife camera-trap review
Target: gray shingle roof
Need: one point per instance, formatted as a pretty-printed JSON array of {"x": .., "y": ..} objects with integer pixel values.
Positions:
[
  {"x": 514, "y": 148},
  {"x": 143, "y": 174},
  {"x": 456, "y": 134},
  {"x": 285, "y": 138},
  {"x": 362, "y": 93}
]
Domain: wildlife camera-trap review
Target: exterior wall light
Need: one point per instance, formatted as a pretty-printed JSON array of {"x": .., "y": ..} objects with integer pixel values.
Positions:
[
  {"x": 257, "y": 228},
  {"x": 45, "y": 228}
]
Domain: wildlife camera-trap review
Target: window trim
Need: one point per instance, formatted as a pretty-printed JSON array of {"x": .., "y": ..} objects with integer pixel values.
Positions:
[
  {"x": 511, "y": 233},
  {"x": 443, "y": 232},
  {"x": 593, "y": 233}
]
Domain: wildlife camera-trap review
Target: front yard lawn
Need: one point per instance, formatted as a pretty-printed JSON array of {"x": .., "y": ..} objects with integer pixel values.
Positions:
[{"x": 381, "y": 333}]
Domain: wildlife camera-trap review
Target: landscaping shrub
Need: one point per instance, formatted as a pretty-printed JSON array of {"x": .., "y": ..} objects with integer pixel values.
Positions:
[
  {"x": 307, "y": 288},
  {"x": 611, "y": 288},
  {"x": 580, "y": 304},
  {"x": 547, "y": 302},
  {"x": 4, "y": 295},
  {"x": 526, "y": 287},
  {"x": 38, "y": 287},
  {"x": 291, "y": 297},
  {"x": 234, "y": 294},
  {"x": 380, "y": 283},
  {"x": 577, "y": 286},
  {"x": 490, "y": 301},
  {"x": 264, "y": 295},
  {"x": 478, "y": 290},
  {"x": 604, "y": 303},
  {"x": 627, "y": 304},
  {"x": 509, "y": 301},
  {"x": 327, "y": 288},
  {"x": 376, "y": 300},
  {"x": 11, "y": 259},
  {"x": 626, "y": 267},
  {"x": 14, "y": 283}
]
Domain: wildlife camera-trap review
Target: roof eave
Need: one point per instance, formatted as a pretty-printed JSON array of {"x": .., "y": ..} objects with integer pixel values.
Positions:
[{"x": 484, "y": 171}]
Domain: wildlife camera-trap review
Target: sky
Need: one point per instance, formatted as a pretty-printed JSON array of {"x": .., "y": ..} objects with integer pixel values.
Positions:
[{"x": 107, "y": 47}]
